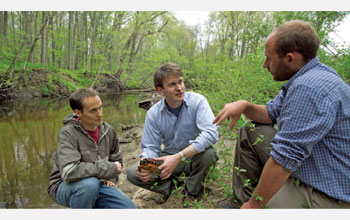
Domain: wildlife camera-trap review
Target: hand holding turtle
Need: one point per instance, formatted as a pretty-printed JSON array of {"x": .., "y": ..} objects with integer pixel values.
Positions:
[
  {"x": 146, "y": 167},
  {"x": 168, "y": 166}
]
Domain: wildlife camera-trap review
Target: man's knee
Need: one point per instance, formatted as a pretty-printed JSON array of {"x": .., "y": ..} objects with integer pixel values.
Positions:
[
  {"x": 131, "y": 174},
  {"x": 253, "y": 130},
  {"x": 89, "y": 185},
  {"x": 211, "y": 154},
  {"x": 209, "y": 157}
]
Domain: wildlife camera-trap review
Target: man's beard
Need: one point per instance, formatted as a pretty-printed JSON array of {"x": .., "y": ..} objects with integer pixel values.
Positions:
[{"x": 283, "y": 72}]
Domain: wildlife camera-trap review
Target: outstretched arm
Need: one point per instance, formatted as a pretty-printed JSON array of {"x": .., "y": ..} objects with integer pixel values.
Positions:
[{"x": 233, "y": 111}]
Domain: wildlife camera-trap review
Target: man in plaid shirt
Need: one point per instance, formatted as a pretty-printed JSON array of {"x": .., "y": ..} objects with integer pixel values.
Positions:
[{"x": 306, "y": 162}]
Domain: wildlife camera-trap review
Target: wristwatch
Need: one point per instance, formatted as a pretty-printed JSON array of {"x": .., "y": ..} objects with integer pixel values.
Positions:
[{"x": 183, "y": 158}]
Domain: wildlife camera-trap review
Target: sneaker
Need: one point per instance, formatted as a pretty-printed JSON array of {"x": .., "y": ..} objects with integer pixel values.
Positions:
[
  {"x": 226, "y": 204},
  {"x": 161, "y": 198}
]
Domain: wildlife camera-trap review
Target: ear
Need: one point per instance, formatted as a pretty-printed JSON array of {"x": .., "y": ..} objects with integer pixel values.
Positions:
[
  {"x": 290, "y": 58},
  {"x": 77, "y": 112},
  {"x": 160, "y": 90}
]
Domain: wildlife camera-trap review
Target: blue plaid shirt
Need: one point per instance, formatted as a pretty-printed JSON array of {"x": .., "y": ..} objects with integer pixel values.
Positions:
[
  {"x": 193, "y": 126},
  {"x": 312, "y": 112}
]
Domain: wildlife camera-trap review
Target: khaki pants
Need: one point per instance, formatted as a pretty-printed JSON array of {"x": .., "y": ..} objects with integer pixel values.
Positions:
[
  {"x": 252, "y": 152},
  {"x": 195, "y": 169}
]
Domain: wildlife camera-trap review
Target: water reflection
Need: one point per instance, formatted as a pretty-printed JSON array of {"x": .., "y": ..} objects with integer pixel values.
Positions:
[{"x": 28, "y": 140}]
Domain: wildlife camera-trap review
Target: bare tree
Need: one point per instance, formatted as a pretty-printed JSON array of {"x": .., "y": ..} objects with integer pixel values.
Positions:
[
  {"x": 3, "y": 26},
  {"x": 43, "y": 40},
  {"x": 70, "y": 27}
]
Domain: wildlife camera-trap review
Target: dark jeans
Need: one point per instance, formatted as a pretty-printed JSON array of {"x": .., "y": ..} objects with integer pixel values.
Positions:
[{"x": 195, "y": 170}]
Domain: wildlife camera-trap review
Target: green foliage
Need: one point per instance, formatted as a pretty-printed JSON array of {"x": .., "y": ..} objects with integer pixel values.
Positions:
[
  {"x": 45, "y": 91},
  {"x": 223, "y": 59},
  {"x": 340, "y": 62},
  {"x": 257, "y": 197},
  {"x": 225, "y": 81}
]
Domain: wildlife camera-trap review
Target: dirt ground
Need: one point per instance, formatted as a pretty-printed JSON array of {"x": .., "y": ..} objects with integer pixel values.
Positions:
[{"x": 130, "y": 147}]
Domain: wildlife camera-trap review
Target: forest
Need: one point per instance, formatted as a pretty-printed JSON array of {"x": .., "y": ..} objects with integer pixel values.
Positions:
[{"x": 51, "y": 53}]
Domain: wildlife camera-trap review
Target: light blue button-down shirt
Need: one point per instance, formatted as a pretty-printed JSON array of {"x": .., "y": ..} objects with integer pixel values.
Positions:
[
  {"x": 313, "y": 140},
  {"x": 193, "y": 126}
]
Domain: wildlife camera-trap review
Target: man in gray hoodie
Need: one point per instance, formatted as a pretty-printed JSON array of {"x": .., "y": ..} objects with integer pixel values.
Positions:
[{"x": 87, "y": 161}]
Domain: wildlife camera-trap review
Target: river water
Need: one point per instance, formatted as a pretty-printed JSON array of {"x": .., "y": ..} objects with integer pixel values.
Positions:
[{"x": 28, "y": 140}]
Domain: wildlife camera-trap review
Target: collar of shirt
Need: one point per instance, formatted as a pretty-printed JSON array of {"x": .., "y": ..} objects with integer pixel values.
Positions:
[
  {"x": 163, "y": 105},
  {"x": 313, "y": 62}
]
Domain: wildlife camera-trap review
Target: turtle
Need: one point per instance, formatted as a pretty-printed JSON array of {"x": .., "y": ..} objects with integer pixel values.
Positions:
[{"x": 149, "y": 164}]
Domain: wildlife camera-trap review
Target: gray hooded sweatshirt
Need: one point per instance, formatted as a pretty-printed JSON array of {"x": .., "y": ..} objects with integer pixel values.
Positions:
[{"x": 78, "y": 156}]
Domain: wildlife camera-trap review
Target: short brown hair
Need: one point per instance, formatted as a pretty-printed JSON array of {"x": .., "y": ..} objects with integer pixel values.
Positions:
[
  {"x": 164, "y": 71},
  {"x": 297, "y": 36},
  {"x": 76, "y": 98}
]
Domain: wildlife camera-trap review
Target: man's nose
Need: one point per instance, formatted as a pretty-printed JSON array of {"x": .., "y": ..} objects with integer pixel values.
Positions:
[
  {"x": 178, "y": 86},
  {"x": 266, "y": 64},
  {"x": 99, "y": 112}
]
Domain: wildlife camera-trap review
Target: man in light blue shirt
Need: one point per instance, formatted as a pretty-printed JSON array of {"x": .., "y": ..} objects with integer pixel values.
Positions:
[{"x": 179, "y": 133}]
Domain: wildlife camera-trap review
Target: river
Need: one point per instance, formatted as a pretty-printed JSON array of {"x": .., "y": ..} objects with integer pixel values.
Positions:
[{"x": 28, "y": 140}]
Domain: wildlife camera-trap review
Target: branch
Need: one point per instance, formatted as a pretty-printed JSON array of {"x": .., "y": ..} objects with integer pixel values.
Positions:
[
  {"x": 159, "y": 30},
  {"x": 98, "y": 74},
  {"x": 154, "y": 17}
]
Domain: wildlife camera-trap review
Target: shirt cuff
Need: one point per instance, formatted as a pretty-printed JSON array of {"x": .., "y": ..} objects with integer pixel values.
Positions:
[
  {"x": 270, "y": 112},
  {"x": 285, "y": 162}
]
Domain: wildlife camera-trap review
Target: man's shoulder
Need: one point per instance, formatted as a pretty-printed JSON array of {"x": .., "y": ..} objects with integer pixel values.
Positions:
[
  {"x": 193, "y": 97},
  {"x": 70, "y": 128},
  {"x": 194, "y": 94},
  {"x": 321, "y": 78},
  {"x": 107, "y": 126},
  {"x": 156, "y": 108}
]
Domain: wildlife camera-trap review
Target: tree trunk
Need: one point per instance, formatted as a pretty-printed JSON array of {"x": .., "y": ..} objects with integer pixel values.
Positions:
[
  {"x": 118, "y": 25},
  {"x": 59, "y": 26},
  {"x": 86, "y": 36},
  {"x": 70, "y": 26},
  {"x": 76, "y": 41},
  {"x": 43, "y": 40},
  {"x": 53, "y": 43},
  {"x": 4, "y": 28},
  {"x": 33, "y": 44},
  {"x": 93, "y": 40},
  {"x": 28, "y": 28},
  {"x": 1, "y": 22},
  {"x": 35, "y": 56},
  {"x": 133, "y": 53},
  {"x": 47, "y": 60},
  {"x": 13, "y": 32}
]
